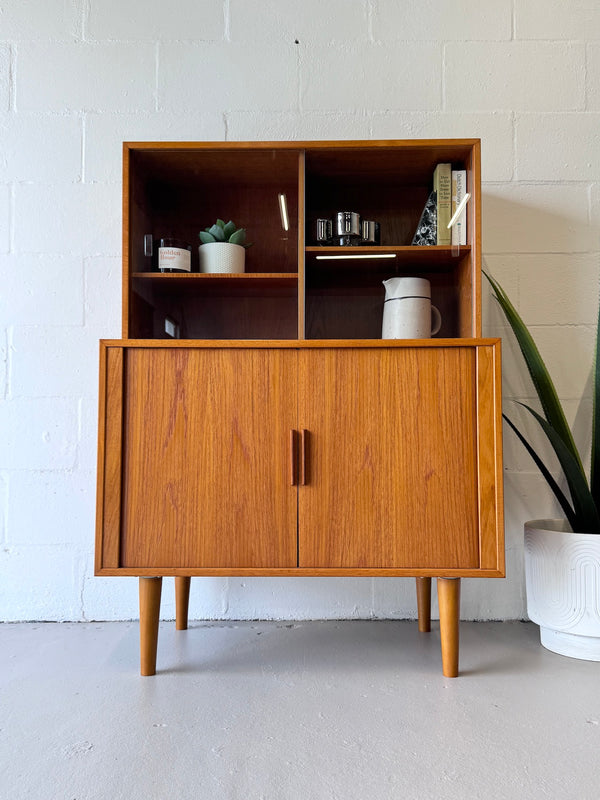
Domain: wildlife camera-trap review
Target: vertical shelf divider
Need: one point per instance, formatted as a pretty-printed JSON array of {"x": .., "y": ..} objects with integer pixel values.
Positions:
[
  {"x": 474, "y": 168},
  {"x": 301, "y": 245},
  {"x": 125, "y": 268}
]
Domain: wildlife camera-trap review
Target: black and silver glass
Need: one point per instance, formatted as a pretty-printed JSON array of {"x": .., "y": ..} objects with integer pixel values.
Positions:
[
  {"x": 347, "y": 228},
  {"x": 370, "y": 232},
  {"x": 323, "y": 231}
]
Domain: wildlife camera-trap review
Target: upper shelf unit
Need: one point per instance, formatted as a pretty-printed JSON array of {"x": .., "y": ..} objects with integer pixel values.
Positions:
[{"x": 292, "y": 288}]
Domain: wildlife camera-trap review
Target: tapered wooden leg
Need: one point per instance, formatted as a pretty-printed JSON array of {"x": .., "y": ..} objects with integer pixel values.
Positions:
[
  {"x": 449, "y": 603},
  {"x": 150, "y": 589},
  {"x": 424, "y": 604},
  {"x": 182, "y": 602}
]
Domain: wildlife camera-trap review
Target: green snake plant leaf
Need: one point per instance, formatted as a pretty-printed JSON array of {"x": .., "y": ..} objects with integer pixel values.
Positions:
[
  {"x": 239, "y": 237},
  {"x": 558, "y": 492},
  {"x": 586, "y": 513},
  {"x": 539, "y": 373},
  {"x": 595, "y": 470},
  {"x": 229, "y": 229},
  {"x": 217, "y": 231},
  {"x": 224, "y": 232},
  {"x": 206, "y": 237}
]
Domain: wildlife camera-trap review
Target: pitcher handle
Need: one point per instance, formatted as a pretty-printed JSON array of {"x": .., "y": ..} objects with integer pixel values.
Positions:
[{"x": 436, "y": 320}]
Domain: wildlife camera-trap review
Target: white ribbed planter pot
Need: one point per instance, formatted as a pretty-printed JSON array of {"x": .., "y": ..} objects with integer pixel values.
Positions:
[
  {"x": 223, "y": 257},
  {"x": 562, "y": 573}
]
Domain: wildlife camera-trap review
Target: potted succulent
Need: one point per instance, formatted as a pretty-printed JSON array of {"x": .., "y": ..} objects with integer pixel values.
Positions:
[
  {"x": 562, "y": 556},
  {"x": 222, "y": 248}
]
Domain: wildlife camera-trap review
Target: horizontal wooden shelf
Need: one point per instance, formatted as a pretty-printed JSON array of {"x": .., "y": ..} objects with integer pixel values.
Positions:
[
  {"x": 432, "y": 256},
  {"x": 215, "y": 278},
  {"x": 298, "y": 344},
  {"x": 296, "y": 572}
]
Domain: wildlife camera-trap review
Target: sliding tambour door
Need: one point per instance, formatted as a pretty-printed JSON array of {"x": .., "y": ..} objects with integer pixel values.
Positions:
[
  {"x": 395, "y": 477},
  {"x": 206, "y": 434}
]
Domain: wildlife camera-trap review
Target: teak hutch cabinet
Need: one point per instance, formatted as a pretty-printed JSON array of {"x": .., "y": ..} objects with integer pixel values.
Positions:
[{"x": 279, "y": 434}]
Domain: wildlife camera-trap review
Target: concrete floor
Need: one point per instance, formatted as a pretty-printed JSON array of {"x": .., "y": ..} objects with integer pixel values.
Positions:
[{"x": 298, "y": 711}]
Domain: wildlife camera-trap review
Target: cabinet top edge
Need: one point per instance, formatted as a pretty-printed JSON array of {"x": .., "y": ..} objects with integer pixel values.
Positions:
[
  {"x": 295, "y": 344},
  {"x": 303, "y": 144}
]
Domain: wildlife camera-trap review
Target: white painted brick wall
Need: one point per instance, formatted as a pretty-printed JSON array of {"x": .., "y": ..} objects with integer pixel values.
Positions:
[
  {"x": 79, "y": 77},
  {"x": 200, "y": 20},
  {"x": 287, "y": 20},
  {"x": 593, "y": 77},
  {"x": 538, "y": 218},
  {"x": 555, "y": 19},
  {"x": 5, "y": 76},
  {"x": 41, "y": 20},
  {"x": 6, "y": 217},
  {"x": 516, "y": 76},
  {"x": 558, "y": 160},
  {"x": 372, "y": 76},
  {"x": 85, "y": 77},
  {"x": 68, "y": 218},
  {"x": 460, "y": 20},
  {"x": 102, "y": 288},
  {"x": 595, "y": 206},
  {"x": 38, "y": 495},
  {"x": 49, "y": 362},
  {"x": 545, "y": 302},
  {"x": 30, "y": 152},
  {"x": 38, "y": 433},
  {"x": 41, "y": 290},
  {"x": 189, "y": 71},
  {"x": 307, "y": 125}
]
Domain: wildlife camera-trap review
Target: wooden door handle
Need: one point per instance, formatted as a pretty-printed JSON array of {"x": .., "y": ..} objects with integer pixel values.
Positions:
[
  {"x": 299, "y": 461},
  {"x": 304, "y": 457},
  {"x": 293, "y": 458}
]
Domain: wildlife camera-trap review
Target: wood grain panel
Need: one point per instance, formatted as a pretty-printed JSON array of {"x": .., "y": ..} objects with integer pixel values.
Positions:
[
  {"x": 489, "y": 418},
  {"x": 108, "y": 524},
  {"x": 313, "y": 344},
  {"x": 308, "y": 572},
  {"x": 207, "y": 458},
  {"x": 467, "y": 322},
  {"x": 393, "y": 463}
]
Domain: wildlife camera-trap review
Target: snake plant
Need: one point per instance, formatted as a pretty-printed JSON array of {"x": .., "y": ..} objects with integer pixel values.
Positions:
[
  {"x": 224, "y": 232},
  {"x": 582, "y": 506}
]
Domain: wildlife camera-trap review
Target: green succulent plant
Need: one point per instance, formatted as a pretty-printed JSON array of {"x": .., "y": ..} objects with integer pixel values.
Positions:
[
  {"x": 224, "y": 232},
  {"x": 583, "y": 508}
]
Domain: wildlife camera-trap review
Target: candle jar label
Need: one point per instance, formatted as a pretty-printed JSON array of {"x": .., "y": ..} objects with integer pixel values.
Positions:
[{"x": 174, "y": 258}]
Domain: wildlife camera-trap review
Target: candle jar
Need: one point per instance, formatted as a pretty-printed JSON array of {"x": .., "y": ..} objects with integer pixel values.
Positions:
[{"x": 174, "y": 255}]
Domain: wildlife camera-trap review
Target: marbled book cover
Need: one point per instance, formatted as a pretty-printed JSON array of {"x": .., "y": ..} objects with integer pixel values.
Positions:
[{"x": 426, "y": 232}]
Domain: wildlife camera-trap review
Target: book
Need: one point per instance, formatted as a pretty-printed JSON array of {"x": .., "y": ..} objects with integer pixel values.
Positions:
[
  {"x": 426, "y": 232},
  {"x": 459, "y": 189},
  {"x": 442, "y": 186}
]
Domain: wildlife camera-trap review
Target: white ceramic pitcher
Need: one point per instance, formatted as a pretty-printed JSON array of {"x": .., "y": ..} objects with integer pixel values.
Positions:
[{"x": 407, "y": 310}]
